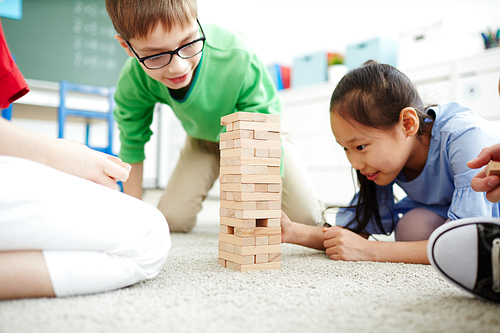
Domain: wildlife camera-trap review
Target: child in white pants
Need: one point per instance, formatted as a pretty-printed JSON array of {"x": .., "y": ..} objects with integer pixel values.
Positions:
[
  {"x": 93, "y": 238},
  {"x": 64, "y": 229}
]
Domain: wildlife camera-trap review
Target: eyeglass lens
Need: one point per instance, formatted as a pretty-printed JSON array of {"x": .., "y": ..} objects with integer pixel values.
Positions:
[{"x": 187, "y": 51}]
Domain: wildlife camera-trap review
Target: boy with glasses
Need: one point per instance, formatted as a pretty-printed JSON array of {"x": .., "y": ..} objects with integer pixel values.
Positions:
[{"x": 202, "y": 73}]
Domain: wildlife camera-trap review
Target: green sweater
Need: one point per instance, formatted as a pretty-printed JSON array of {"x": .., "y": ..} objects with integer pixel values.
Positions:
[{"x": 229, "y": 78}]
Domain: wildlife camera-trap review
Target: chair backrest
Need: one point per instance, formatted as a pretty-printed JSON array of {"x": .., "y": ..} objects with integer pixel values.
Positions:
[{"x": 64, "y": 111}]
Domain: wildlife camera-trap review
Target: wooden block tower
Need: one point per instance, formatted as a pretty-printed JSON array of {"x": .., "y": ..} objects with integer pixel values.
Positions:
[{"x": 250, "y": 192}]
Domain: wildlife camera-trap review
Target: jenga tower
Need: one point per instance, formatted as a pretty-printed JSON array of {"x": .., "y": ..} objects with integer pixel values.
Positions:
[{"x": 250, "y": 192}]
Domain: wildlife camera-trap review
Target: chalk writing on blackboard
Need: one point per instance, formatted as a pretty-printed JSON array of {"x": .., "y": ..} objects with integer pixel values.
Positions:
[{"x": 93, "y": 42}]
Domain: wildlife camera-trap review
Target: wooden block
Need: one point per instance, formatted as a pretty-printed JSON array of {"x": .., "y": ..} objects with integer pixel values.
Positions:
[
  {"x": 253, "y": 250},
  {"x": 222, "y": 145},
  {"x": 260, "y": 267},
  {"x": 272, "y": 118},
  {"x": 257, "y": 144},
  {"x": 237, "y": 187},
  {"x": 239, "y": 205},
  {"x": 238, "y": 223},
  {"x": 273, "y": 240},
  {"x": 256, "y": 214},
  {"x": 236, "y": 258},
  {"x": 233, "y": 179},
  {"x": 253, "y": 267},
  {"x": 238, "y": 170},
  {"x": 274, "y": 257},
  {"x": 256, "y": 126},
  {"x": 258, "y": 231},
  {"x": 273, "y": 170},
  {"x": 227, "y": 212},
  {"x": 256, "y": 196},
  {"x": 274, "y": 188},
  {"x": 274, "y": 153},
  {"x": 241, "y": 134},
  {"x": 260, "y": 169},
  {"x": 225, "y": 229},
  {"x": 272, "y": 205},
  {"x": 229, "y": 127},
  {"x": 268, "y": 222},
  {"x": 261, "y": 240},
  {"x": 260, "y": 152},
  {"x": 261, "y": 258},
  {"x": 493, "y": 168},
  {"x": 247, "y": 160},
  {"x": 249, "y": 152},
  {"x": 261, "y": 188},
  {"x": 264, "y": 179},
  {"x": 224, "y": 195},
  {"x": 230, "y": 179},
  {"x": 234, "y": 266},
  {"x": 249, "y": 116},
  {"x": 262, "y": 205},
  {"x": 231, "y": 160},
  {"x": 229, "y": 248},
  {"x": 222, "y": 262},
  {"x": 266, "y": 135},
  {"x": 267, "y": 205},
  {"x": 226, "y": 247},
  {"x": 232, "y": 239}
]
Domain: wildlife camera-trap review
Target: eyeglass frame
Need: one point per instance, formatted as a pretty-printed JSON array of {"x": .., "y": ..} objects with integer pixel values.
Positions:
[{"x": 172, "y": 53}]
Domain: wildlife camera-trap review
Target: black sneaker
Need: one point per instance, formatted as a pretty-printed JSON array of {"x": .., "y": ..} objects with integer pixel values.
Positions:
[{"x": 467, "y": 253}]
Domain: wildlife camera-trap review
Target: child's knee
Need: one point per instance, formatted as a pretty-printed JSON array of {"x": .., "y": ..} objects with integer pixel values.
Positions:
[
  {"x": 179, "y": 220},
  {"x": 154, "y": 245}
]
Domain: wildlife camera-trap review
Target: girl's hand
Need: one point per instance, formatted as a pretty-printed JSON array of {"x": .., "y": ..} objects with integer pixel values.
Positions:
[
  {"x": 286, "y": 228},
  {"x": 79, "y": 160},
  {"x": 343, "y": 244}
]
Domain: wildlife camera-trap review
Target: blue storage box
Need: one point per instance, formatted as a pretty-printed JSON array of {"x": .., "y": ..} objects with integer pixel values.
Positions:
[
  {"x": 382, "y": 50},
  {"x": 275, "y": 72},
  {"x": 310, "y": 69},
  {"x": 12, "y": 9}
]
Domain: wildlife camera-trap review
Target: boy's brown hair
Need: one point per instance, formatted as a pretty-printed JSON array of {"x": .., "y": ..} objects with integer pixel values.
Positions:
[{"x": 137, "y": 18}]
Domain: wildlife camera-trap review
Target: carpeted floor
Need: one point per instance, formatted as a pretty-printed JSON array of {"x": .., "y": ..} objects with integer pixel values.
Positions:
[{"x": 309, "y": 294}]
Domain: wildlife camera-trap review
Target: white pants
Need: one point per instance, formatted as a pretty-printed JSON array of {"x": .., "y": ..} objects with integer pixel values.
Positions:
[{"x": 93, "y": 238}]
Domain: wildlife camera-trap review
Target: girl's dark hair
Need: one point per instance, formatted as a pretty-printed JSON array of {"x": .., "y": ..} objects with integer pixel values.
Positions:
[{"x": 374, "y": 95}]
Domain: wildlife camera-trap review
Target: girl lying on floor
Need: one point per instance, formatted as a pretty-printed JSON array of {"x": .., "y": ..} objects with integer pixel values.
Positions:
[{"x": 389, "y": 137}]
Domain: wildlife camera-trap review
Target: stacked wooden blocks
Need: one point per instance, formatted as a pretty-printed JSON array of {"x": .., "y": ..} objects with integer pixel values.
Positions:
[{"x": 250, "y": 192}]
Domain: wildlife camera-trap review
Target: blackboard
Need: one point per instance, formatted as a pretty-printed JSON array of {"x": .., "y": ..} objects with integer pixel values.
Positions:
[{"x": 65, "y": 40}]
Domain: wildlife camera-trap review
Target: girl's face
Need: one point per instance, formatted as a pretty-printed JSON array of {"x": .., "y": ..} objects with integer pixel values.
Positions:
[{"x": 380, "y": 155}]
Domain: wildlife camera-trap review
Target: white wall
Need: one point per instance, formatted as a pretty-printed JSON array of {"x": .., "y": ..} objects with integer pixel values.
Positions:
[{"x": 280, "y": 30}]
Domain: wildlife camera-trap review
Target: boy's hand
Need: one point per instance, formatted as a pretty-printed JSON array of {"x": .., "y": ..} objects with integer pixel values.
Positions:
[
  {"x": 343, "y": 244},
  {"x": 482, "y": 183}
]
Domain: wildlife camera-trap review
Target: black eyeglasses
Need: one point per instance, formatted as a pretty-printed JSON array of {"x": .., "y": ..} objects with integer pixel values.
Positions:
[{"x": 163, "y": 59}]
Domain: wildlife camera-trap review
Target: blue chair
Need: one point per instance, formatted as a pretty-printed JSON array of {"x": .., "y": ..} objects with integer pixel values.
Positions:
[
  {"x": 7, "y": 113},
  {"x": 64, "y": 111}
]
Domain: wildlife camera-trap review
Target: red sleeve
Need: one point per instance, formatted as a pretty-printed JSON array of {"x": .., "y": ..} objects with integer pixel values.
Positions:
[{"x": 12, "y": 83}]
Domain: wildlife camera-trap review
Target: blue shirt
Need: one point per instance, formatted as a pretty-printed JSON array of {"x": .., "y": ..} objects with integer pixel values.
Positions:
[{"x": 458, "y": 135}]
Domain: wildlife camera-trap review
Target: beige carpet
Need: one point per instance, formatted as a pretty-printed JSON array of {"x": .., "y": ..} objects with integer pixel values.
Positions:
[{"x": 309, "y": 294}]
